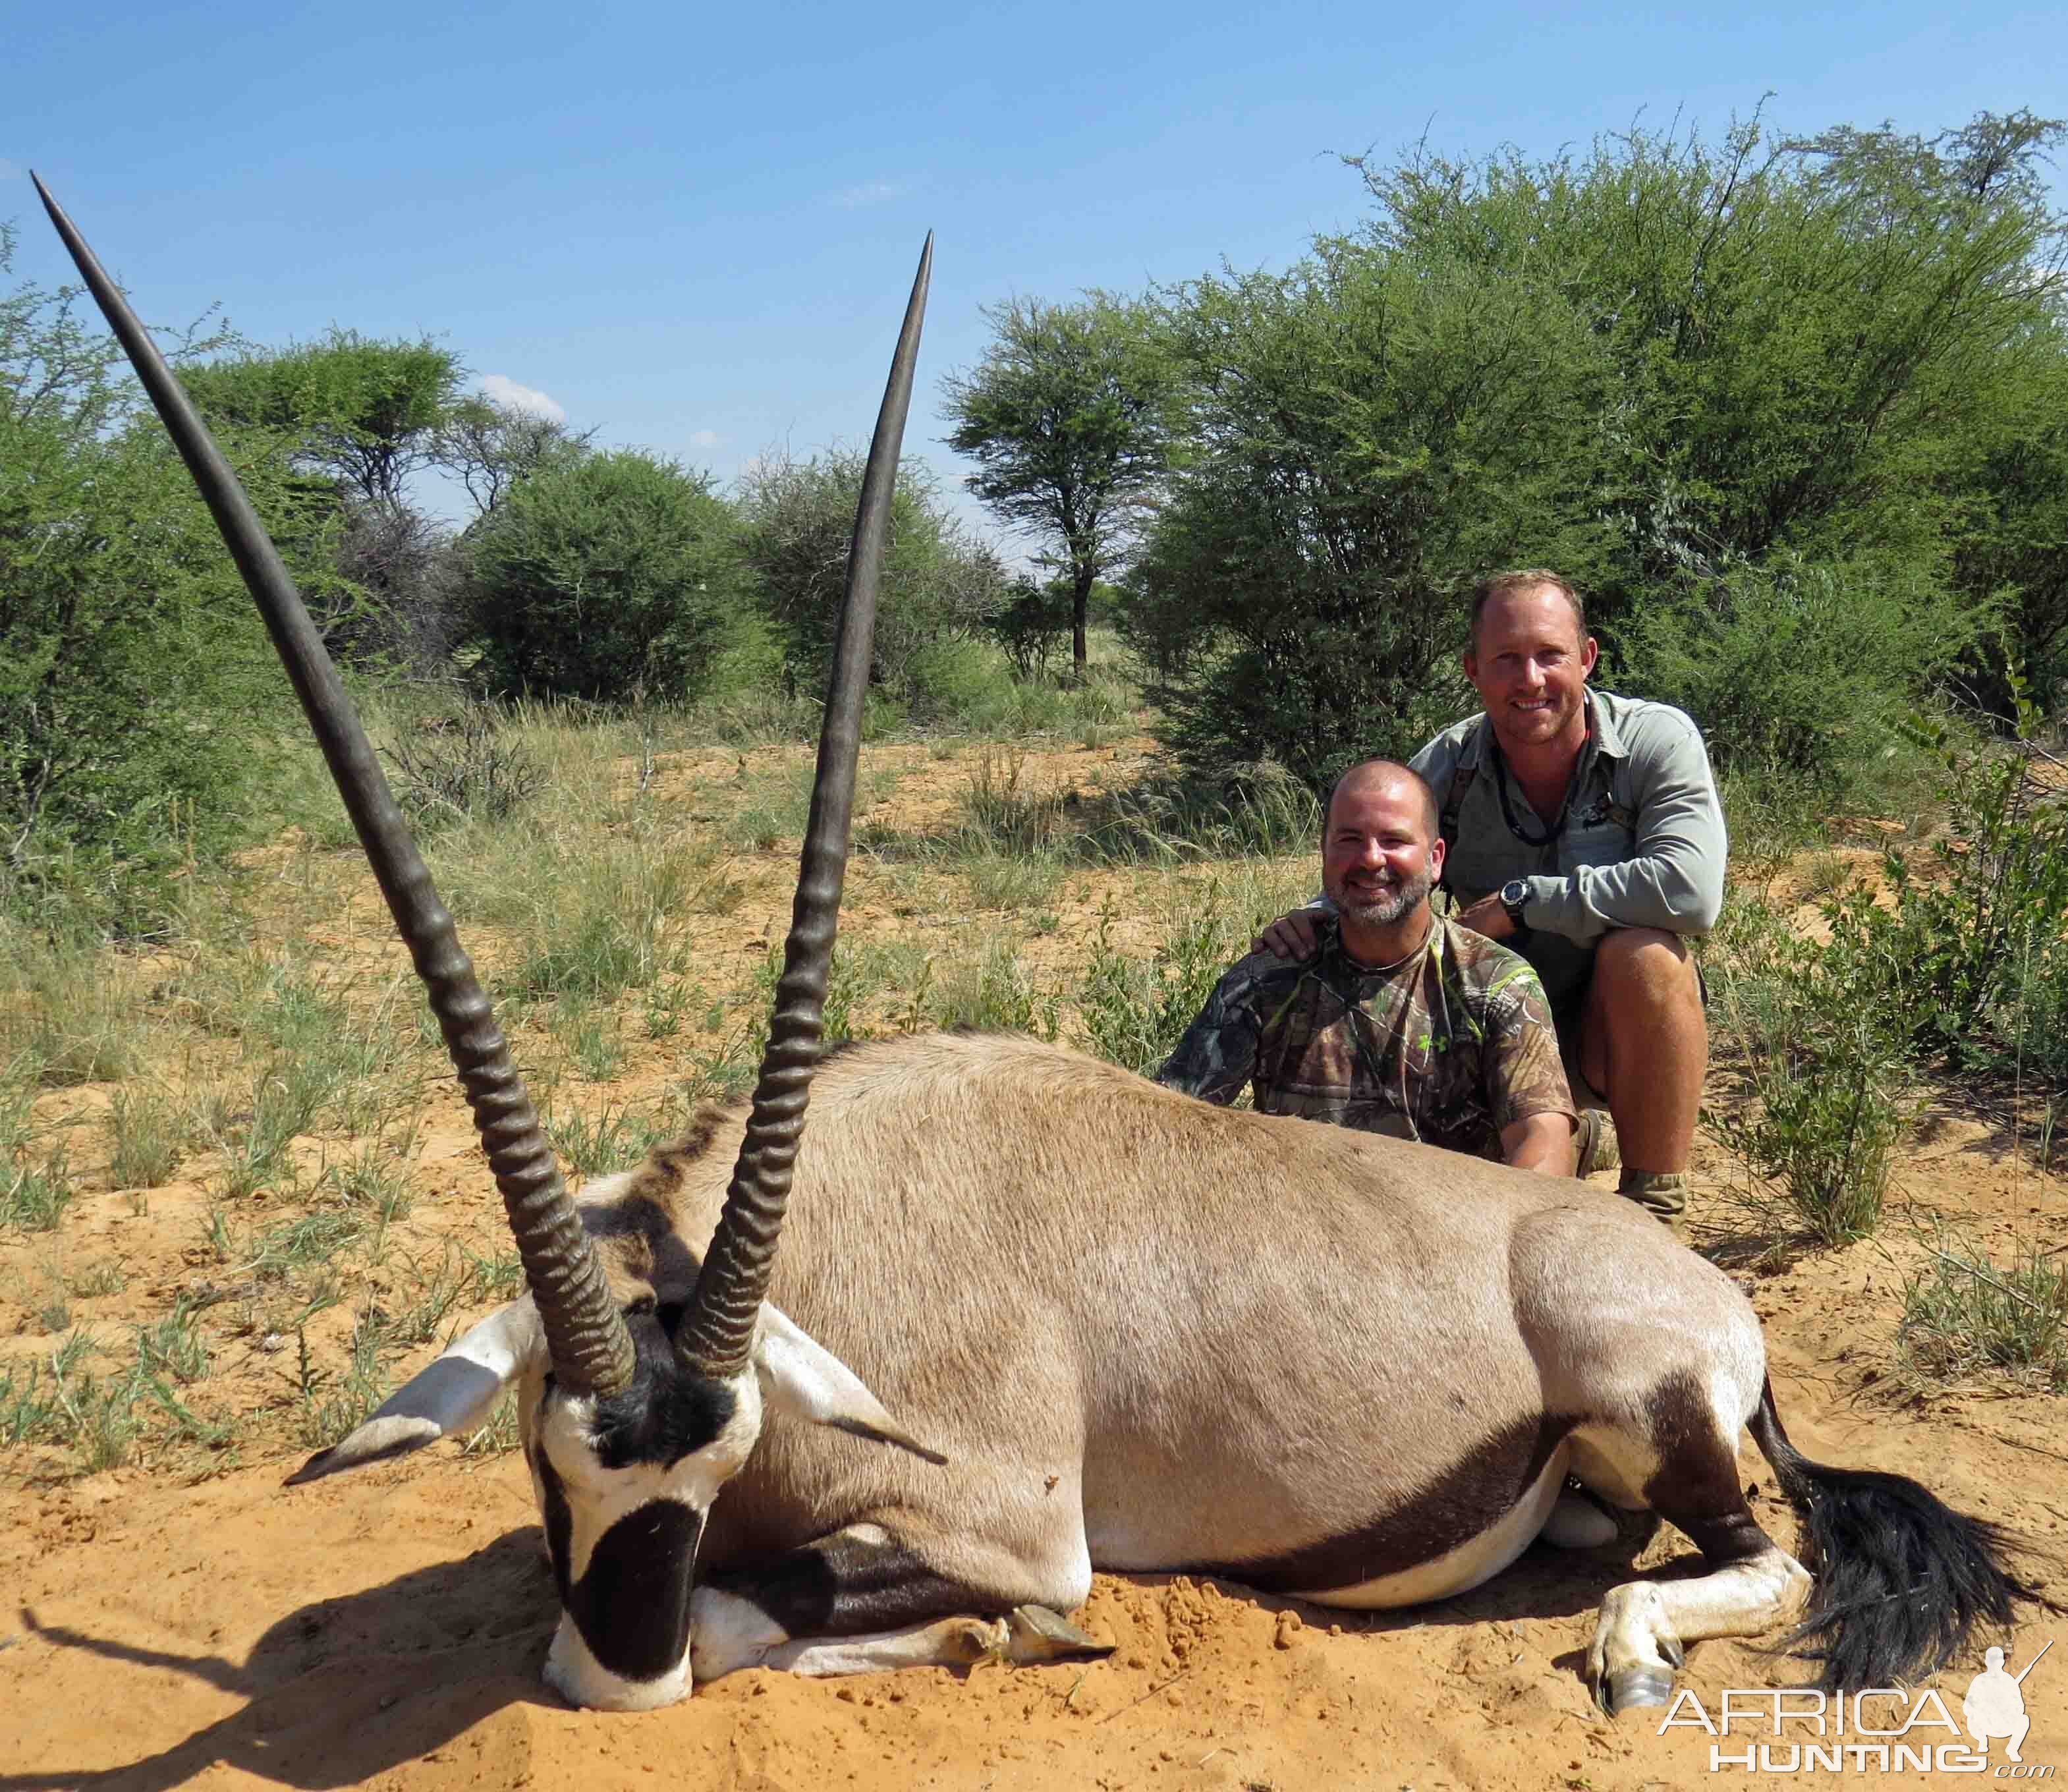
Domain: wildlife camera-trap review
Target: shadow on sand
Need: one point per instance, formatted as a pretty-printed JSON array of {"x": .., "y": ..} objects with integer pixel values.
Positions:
[{"x": 347, "y": 1688}]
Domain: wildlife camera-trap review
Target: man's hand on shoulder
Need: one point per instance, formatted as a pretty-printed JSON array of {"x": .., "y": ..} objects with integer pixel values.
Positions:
[
  {"x": 1290, "y": 937},
  {"x": 1487, "y": 916}
]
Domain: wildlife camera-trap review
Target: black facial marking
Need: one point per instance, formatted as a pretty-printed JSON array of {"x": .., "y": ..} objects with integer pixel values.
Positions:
[
  {"x": 848, "y": 1585},
  {"x": 1472, "y": 1495},
  {"x": 663, "y": 1415},
  {"x": 559, "y": 1522},
  {"x": 633, "y": 1604}
]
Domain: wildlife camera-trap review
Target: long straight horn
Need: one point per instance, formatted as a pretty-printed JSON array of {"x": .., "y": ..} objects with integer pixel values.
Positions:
[
  {"x": 717, "y": 1331},
  {"x": 592, "y": 1350}
]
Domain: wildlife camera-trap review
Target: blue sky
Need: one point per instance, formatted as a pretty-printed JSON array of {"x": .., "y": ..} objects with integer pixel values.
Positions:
[{"x": 693, "y": 228}]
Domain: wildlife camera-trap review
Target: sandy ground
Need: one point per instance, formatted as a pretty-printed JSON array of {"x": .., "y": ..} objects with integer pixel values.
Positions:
[{"x": 388, "y": 1628}]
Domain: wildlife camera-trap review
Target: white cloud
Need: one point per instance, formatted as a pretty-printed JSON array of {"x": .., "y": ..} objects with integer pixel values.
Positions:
[
  {"x": 500, "y": 389},
  {"x": 705, "y": 439},
  {"x": 869, "y": 193}
]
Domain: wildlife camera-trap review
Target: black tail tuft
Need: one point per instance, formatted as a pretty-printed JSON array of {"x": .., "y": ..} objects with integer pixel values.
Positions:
[{"x": 1902, "y": 1580}]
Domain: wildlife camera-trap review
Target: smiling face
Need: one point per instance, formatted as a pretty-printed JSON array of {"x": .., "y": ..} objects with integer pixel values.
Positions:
[
  {"x": 1530, "y": 666},
  {"x": 1379, "y": 852}
]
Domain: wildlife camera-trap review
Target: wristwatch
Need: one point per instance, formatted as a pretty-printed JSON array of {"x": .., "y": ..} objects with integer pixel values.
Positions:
[{"x": 1513, "y": 894}]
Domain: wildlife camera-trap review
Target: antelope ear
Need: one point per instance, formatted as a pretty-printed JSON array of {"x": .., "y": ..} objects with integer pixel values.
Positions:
[
  {"x": 801, "y": 1379},
  {"x": 453, "y": 1394}
]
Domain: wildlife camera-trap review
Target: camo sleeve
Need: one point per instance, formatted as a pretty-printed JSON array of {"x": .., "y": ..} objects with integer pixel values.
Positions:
[
  {"x": 1525, "y": 1075},
  {"x": 1217, "y": 1056}
]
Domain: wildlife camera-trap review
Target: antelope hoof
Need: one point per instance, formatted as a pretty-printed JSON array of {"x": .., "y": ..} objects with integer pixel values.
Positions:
[
  {"x": 1041, "y": 1635},
  {"x": 1632, "y": 1688}
]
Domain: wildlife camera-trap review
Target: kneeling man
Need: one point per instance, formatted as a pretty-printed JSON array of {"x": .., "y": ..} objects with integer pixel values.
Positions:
[{"x": 1401, "y": 1022}]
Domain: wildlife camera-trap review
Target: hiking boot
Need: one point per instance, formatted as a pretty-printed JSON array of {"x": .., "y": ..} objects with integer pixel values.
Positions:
[
  {"x": 1662, "y": 1193},
  {"x": 1594, "y": 1144}
]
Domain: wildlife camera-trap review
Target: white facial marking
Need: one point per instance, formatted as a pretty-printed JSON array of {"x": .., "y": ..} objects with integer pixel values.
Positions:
[
  {"x": 581, "y": 1680},
  {"x": 598, "y": 1497}
]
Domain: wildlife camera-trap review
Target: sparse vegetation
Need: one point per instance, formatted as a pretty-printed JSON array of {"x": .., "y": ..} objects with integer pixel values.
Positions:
[{"x": 1965, "y": 1315}]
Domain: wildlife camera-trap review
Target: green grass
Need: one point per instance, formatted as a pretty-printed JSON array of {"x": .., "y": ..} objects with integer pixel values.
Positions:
[
  {"x": 1011, "y": 881},
  {"x": 604, "y": 927},
  {"x": 96, "y": 1416},
  {"x": 1965, "y": 1315},
  {"x": 990, "y": 990},
  {"x": 35, "y": 1191},
  {"x": 609, "y": 1139},
  {"x": 148, "y": 1134},
  {"x": 71, "y": 1012}
]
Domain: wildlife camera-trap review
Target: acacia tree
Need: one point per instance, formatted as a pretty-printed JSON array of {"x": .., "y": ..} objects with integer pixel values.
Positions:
[
  {"x": 492, "y": 445},
  {"x": 350, "y": 408},
  {"x": 1365, "y": 433},
  {"x": 1069, "y": 416}
]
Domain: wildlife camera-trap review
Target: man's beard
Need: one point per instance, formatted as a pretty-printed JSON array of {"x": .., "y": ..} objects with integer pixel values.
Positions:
[{"x": 1387, "y": 906}]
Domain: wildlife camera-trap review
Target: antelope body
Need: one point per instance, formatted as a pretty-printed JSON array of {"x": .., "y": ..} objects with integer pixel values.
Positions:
[
  {"x": 1151, "y": 1334},
  {"x": 1033, "y": 1314}
]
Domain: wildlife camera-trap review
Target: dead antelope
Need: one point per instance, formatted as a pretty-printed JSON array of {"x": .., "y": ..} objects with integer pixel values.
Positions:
[{"x": 1033, "y": 1316}]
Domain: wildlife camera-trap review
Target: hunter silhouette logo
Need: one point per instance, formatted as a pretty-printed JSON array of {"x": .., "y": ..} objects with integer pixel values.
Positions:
[
  {"x": 1994, "y": 1707},
  {"x": 1878, "y": 1728}
]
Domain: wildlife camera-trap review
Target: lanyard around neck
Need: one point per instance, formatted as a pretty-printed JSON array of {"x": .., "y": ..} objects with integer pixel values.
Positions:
[{"x": 1557, "y": 830}]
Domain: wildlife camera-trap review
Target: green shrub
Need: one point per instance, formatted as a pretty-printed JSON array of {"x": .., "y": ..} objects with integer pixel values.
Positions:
[
  {"x": 138, "y": 699},
  {"x": 1136, "y": 1009},
  {"x": 604, "y": 576},
  {"x": 1824, "y": 1054},
  {"x": 1974, "y": 943},
  {"x": 938, "y": 583},
  {"x": 1807, "y": 670},
  {"x": 451, "y": 767}
]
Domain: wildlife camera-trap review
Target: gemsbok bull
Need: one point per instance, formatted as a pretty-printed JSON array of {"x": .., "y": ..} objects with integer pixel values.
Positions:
[{"x": 1032, "y": 1316}]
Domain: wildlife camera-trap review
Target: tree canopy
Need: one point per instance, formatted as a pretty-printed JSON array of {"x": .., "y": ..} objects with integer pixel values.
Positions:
[
  {"x": 1701, "y": 379},
  {"x": 1068, "y": 417},
  {"x": 604, "y": 575}
]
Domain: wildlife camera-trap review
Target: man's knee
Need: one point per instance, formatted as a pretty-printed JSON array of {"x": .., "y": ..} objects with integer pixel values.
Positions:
[
  {"x": 1625, "y": 952},
  {"x": 1644, "y": 979},
  {"x": 1643, "y": 964}
]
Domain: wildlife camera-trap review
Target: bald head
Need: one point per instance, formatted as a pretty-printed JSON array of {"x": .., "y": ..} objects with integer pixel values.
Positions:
[{"x": 1383, "y": 774}]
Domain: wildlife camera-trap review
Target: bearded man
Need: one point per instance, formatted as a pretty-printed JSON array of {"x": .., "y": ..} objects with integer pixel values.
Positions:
[
  {"x": 1584, "y": 831},
  {"x": 1399, "y": 1021}
]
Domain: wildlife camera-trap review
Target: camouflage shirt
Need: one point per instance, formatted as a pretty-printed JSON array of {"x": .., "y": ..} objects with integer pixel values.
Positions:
[{"x": 1450, "y": 1046}]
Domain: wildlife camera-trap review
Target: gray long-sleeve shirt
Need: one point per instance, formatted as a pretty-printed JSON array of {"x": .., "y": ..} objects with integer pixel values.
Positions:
[{"x": 1643, "y": 845}]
